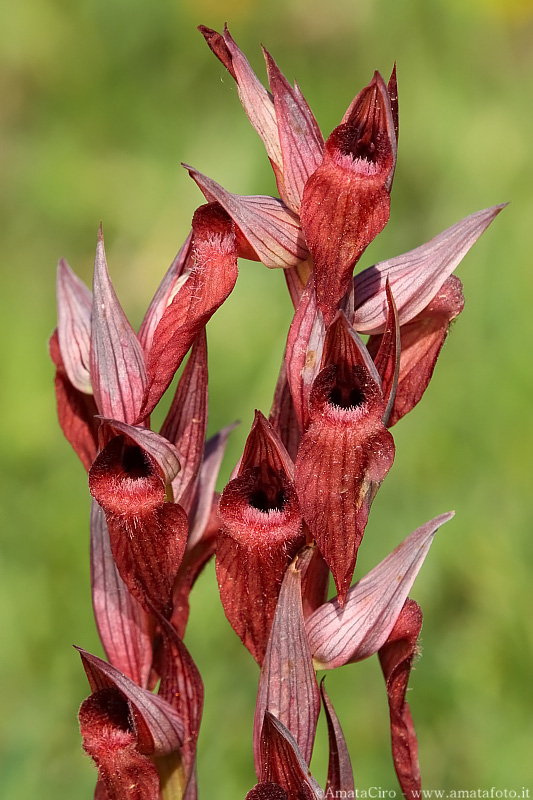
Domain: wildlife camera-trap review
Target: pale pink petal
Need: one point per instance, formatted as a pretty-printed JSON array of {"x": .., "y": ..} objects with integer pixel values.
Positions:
[
  {"x": 118, "y": 372},
  {"x": 74, "y": 304},
  {"x": 212, "y": 459},
  {"x": 287, "y": 685},
  {"x": 415, "y": 277},
  {"x": 340, "y": 636},
  {"x": 305, "y": 343},
  {"x": 302, "y": 145},
  {"x": 270, "y": 228},
  {"x": 256, "y": 101}
]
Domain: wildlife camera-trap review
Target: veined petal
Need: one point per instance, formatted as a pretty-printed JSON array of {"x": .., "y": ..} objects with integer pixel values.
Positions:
[
  {"x": 300, "y": 138},
  {"x": 118, "y": 373},
  {"x": 264, "y": 450},
  {"x": 123, "y": 625},
  {"x": 346, "y": 200},
  {"x": 174, "y": 278},
  {"x": 283, "y": 763},
  {"x": 392, "y": 89},
  {"x": 76, "y": 410},
  {"x": 287, "y": 684},
  {"x": 109, "y": 737},
  {"x": 125, "y": 480},
  {"x": 182, "y": 688},
  {"x": 256, "y": 101},
  {"x": 212, "y": 459},
  {"x": 356, "y": 631},
  {"x": 421, "y": 341},
  {"x": 283, "y": 416},
  {"x": 305, "y": 343},
  {"x": 148, "y": 536},
  {"x": 387, "y": 358},
  {"x": 261, "y": 533},
  {"x": 344, "y": 454},
  {"x": 194, "y": 560},
  {"x": 74, "y": 304},
  {"x": 160, "y": 449},
  {"x": 340, "y": 775},
  {"x": 210, "y": 281},
  {"x": 415, "y": 277},
  {"x": 396, "y": 658},
  {"x": 269, "y": 227},
  {"x": 157, "y": 725},
  {"x": 204, "y": 526},
  {"x": 186, "y": 422},
  {"x": 148, "y": 552}
]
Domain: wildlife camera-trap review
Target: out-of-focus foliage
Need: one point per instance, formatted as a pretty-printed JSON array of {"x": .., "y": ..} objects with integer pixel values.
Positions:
[{"x": 101, "y": 100}]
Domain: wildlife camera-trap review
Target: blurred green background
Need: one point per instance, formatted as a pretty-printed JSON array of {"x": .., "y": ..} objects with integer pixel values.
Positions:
[{"x": 102, "y": 99}]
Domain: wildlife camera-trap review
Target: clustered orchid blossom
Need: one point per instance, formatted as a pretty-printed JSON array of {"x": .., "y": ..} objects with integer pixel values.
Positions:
[{"x": 297, "y": 505}]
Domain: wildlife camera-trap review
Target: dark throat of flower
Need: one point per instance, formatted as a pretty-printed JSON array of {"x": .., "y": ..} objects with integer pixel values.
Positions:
[
  {"x": 267, "y": 492},
  {"x": 347, "y": 390},
  {"x": 134, "y": 462}
]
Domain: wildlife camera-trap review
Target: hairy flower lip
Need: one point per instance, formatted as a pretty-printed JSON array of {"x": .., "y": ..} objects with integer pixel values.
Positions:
[
  {"x": 323, "y": 407},
  {"x": 107, "y": 702},
  {"x": 251, "y": 526},
  {"x": 344, "y": 454},
  {"x": 342, "y": 211},
  {"x": 348, "y": 387},
  {"x": 109, "y": 737},
  {"x": 125, "y": 480},
  {"x": 157, "y": 725},
  {"x": 163, "y": 452},
  {"x": 261, "y": 533},
  {"x": 267, "y": 790}
]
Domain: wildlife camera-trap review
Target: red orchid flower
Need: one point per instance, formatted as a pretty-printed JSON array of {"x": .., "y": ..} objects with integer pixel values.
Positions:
[
  {"x": 141, "y": 543},
  {"x": 345, "y": 452},
  {"x": 334, "y": 201},
  {"x": 141, "y": 741},
  {"x": 298, "y": 502},
  {"x": 377, "y": 617},
  {"x": 261, "y": 533}
]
